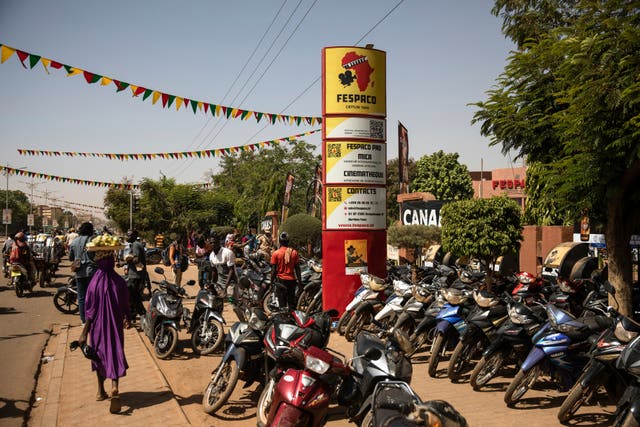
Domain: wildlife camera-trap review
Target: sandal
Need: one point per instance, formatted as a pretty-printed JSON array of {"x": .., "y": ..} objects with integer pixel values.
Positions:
[
  {"x": 102, "y": 396},
  {"x": 115, "y": 406}
]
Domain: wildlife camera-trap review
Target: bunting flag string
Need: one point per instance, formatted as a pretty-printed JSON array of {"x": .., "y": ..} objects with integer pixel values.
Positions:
[
  {"x": 170, "y": 156},
  {"x": 38, "y": 175},
  {"x": 167, "y": 100}
]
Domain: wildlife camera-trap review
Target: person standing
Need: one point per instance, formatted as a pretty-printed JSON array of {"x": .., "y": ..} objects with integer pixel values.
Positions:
[
  {"x": 224, "y": 262},
  {"x": 203, "y": 250},
  {"x": 136, "y": 272},
  {"x": 178, "y": 256},
  {"x": 107, "y": 314},
  {"x": 77, "y": 250},
  {"x": 6, "y": 252},
  {"x": 285, "y": 272},
  {"x": 68, "y": 238},
  {"x": 265, "y": 243}
]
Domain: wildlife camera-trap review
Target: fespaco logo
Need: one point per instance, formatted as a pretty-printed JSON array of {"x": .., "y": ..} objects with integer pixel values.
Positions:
[{"x": 356, "y": 69}]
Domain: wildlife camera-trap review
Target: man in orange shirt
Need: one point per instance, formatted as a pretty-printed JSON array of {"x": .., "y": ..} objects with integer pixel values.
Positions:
[{"x": 285, "y": 272}]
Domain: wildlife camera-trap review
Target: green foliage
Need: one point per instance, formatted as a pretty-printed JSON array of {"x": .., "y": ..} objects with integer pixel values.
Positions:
[
  {"x": 303, "y": 230},
  {"x": 568, "y": 102},
  {"x": 482, "y": 228},
  {"x": 255, "y": 182},
  {"x": 413, "y": 236},
  {"x": 393, "y": 188},
  {"x": 443, "y": 176},
  {"x": 20, "y": 208}
]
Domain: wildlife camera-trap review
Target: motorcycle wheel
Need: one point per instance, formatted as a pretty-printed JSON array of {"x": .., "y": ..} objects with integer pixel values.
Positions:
[
  {"x": 264, "y": 403},
  {"x": 577, "y": 396},
  {"x": 344, "y": 321},
  {"x": 367, "y": 421},
  {"x": 66, "y": 302},
  {"x": 268, "y": 303},
  {"x": 304, "y": 300},
  {"x": 220, "y": 387},
  {"x": 485, "y": 370},
  {"x": 165, "y": 343},
  {"x": 315, "y": 306},
  {"x": 520, "y": 385},
  {"x": 436, "y": 354},
  {"x": 207, "y": 337},
  {"x": 625, "y": 418},
  {"x": 356, "y": 323},
  {"x": 19, "y": 291},
  {"x": 462, "y": 354}
]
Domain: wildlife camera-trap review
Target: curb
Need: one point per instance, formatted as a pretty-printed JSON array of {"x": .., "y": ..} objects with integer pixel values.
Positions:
[{"x": 54, "y": 379}]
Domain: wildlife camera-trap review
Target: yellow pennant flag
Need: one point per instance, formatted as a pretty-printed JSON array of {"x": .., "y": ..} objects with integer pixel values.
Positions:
[
  {"x": 133, "y": 88},
  {"x": 200, "y": 105},
  {"x": 179, "y": 102},
  {"x": 5, "y": 53},
  {"x": 218, "y": 108},
  {"x": 74, "y": 72},
  {"x": 155, "y": 97},
  {"x": 45, "y": 63},
  {"x": 106, "y": 81}
]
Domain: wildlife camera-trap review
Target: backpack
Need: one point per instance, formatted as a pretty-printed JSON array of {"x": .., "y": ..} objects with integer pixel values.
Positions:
[{"x": 165, "y": 256}]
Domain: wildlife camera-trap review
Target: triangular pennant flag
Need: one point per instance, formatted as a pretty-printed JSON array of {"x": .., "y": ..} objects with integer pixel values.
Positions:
[
  {"x": 22, "y": 56},
  {"x": 229, "y": 111},
  {"x": 45, "y": 64},
  {"x": 90, "y": 77},
  {"x": 155, "y": 97},
  {"x": 195, "y": 105},
  {"x": 147, "y": 92},
  {"x": 258, "y": 116},
  {"x": 139, "y": 91},
  {"x": 56, "y": 65},
  {"x": 245, "y": 115},
  {"x": 106, "y": 81},
  {"x": 165, "y": 98},
  {"x": 121, "y": 85},
  {"x": 33, "y": 60},
  {"x": 74, "y": 71},
  {"x": 171, "y": 99},
  {"x": 178, "y": 103},
  {"x": 206, "y": 107},
  {"x": 5, "y": 53}
]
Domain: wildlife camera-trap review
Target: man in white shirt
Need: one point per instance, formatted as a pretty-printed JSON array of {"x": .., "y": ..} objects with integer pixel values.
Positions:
[{"x": 224, "y": 262}]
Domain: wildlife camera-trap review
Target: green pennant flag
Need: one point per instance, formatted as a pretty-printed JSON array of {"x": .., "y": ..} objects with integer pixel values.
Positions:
[
  {"x": 121, "y": 85},
  {"x": 33, "y": 60},
  {"x": 244, "y": 114},
  {"x": 229, "y": 109},
  {"x": 212, "y": 108},
  {"x": 171, "y": 98},
  {"x": 68, "y": 68},
  {"x": 194, "y": 105},
  {"x": 273, "y": 119},
  {"x": 146, "y": 94},
  {"x": 298, "y": 120},
  {"x": 258, "y": 116}
]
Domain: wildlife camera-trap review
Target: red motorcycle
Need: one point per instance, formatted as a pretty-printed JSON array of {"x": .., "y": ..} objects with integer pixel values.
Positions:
[{"x": 302, "y": 396}]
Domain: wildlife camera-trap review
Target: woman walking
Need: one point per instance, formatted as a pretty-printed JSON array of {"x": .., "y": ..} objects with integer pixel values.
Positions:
[{"x": 107, "y": 313}]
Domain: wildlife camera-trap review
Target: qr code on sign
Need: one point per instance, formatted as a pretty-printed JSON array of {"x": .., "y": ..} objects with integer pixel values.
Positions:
[
  {"x": 334, "y": 194},
  {"x": 376, "y": 129}
]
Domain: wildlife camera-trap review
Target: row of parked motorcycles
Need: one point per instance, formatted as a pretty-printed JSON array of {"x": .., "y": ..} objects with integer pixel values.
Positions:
[{"x": 543, "y": 326}]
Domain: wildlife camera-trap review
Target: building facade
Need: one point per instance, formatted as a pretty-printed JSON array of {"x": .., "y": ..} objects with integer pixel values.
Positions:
[{"x": 497, "y": 182}]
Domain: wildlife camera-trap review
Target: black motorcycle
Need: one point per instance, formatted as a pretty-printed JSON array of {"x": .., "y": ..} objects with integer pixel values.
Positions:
[
  {"x": 356, "y": 391},
  {"x": 244, "y": 357},
  {"x": 161, "y": 321},
  {"x": 66, "y": 297},
  {"x": 205, "y": 324},
  {"x": 395, "y": 404},
  {"x": 628, "y": 411},
  {"x": 20, "y": 279}
]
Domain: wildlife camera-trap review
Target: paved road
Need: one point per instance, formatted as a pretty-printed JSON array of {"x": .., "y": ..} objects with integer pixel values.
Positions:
[{"x": 25, "y": 326}]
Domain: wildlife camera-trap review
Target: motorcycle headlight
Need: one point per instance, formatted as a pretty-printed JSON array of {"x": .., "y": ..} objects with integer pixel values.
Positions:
[{"x": 316, "y": 365}]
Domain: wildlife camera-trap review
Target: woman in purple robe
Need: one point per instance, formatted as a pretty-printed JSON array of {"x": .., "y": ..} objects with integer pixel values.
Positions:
[{"x": 107, "y": 313}]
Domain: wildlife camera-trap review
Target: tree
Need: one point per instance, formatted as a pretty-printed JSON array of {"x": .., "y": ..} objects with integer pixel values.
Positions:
[
  {"x": 443, "y": 176},
  {"x": 19, "y": 205},
  {"x": 482, "y": 228},
  {"x": 393, "y": 188},
  {"x": 255, "y": 181},
  {"x": 413, "y": 237},
  {"x": 568, "y": 102},
  {"x": 305, "y": 231}
]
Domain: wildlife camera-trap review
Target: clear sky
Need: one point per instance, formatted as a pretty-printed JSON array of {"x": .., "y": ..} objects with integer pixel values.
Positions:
[{"x": 441, "y": 56}]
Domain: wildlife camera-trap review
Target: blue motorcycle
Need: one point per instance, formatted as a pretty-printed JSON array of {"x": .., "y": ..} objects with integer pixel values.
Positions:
[
  {"x": 450, "y": 325},
  {"x": 560, "y": 350}
]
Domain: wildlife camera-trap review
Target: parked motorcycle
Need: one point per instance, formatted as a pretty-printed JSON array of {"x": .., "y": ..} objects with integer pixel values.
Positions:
[
  {"x": 161, "y": 322},
  {"x": 244, "y": 356},
  {"x": 66, "y": 297},
  {"x": 601, "y": 369},
  {"x": 205, "y": 324},
  {"x": 483, "y": 321},
  {"x": 253, "y": 290},
  {"x": 628, "y": 410},
  {"x": 396, "y": 404},
  {"x": 285, "y": 332},
  {"x": 310, "y": 298},
  {"x": 20, "y": 279},
  {"x": 370, "y": 301},
  {"x": 559, "y": 350},
  {"x": 153, "y": 255},
  {"x": 355, "y": 392},
  {"x": 369, "y": 289}
]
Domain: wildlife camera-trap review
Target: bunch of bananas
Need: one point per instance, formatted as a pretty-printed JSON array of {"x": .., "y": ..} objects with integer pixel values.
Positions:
[{"x": 105, "y": 240}]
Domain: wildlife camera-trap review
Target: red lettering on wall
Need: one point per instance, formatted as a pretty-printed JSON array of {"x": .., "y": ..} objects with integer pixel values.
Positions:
[{"x": 508, "y": 184}]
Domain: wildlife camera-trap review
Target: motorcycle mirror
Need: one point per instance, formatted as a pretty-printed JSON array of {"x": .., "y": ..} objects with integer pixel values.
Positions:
[
  {"x": 372, "y": 354},
  {"x": 159, "y": 270}
]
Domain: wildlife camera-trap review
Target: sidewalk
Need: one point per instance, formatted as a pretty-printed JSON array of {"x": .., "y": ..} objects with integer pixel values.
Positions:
[{"x": 68, "y": 387}]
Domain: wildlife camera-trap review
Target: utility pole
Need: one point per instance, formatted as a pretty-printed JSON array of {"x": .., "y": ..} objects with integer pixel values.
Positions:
[{"x": 31, "y": 185}]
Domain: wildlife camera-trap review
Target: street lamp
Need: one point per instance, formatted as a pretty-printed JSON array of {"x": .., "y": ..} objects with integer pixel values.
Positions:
[{"x": 6, "y": 194}]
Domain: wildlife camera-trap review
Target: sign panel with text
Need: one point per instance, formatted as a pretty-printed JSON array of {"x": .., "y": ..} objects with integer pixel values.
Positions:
[
  {"x": 356, "y": 208},
  {"x": 354, "y": 81},
  {"x": 355, "y": 163},
  {"x": 355, "y": 128}
]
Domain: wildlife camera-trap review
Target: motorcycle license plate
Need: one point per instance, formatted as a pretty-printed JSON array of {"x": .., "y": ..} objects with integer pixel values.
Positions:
[{"x": 16, "y": 273}]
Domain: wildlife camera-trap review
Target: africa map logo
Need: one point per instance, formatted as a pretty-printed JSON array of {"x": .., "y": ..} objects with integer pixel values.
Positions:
[{"x": 357, "y": 69}]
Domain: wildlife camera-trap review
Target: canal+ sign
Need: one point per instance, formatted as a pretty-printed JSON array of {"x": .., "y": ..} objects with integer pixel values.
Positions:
[{"x": 419, "y": 212}]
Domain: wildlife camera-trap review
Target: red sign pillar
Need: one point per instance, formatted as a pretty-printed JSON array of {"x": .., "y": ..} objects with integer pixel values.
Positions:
[{"x": 354, "y": 158}]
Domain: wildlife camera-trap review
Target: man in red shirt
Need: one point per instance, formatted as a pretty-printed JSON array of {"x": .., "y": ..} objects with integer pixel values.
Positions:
[{"x": 285, "y": 272}]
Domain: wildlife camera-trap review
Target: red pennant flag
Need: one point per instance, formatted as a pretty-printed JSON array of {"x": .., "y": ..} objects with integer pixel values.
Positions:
[
  {"x": 165, "y": 98},
  {"x": 56, "y": 65},
  {"x": 23, "y": 56},
  {"x": 140, "y": 90}
]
